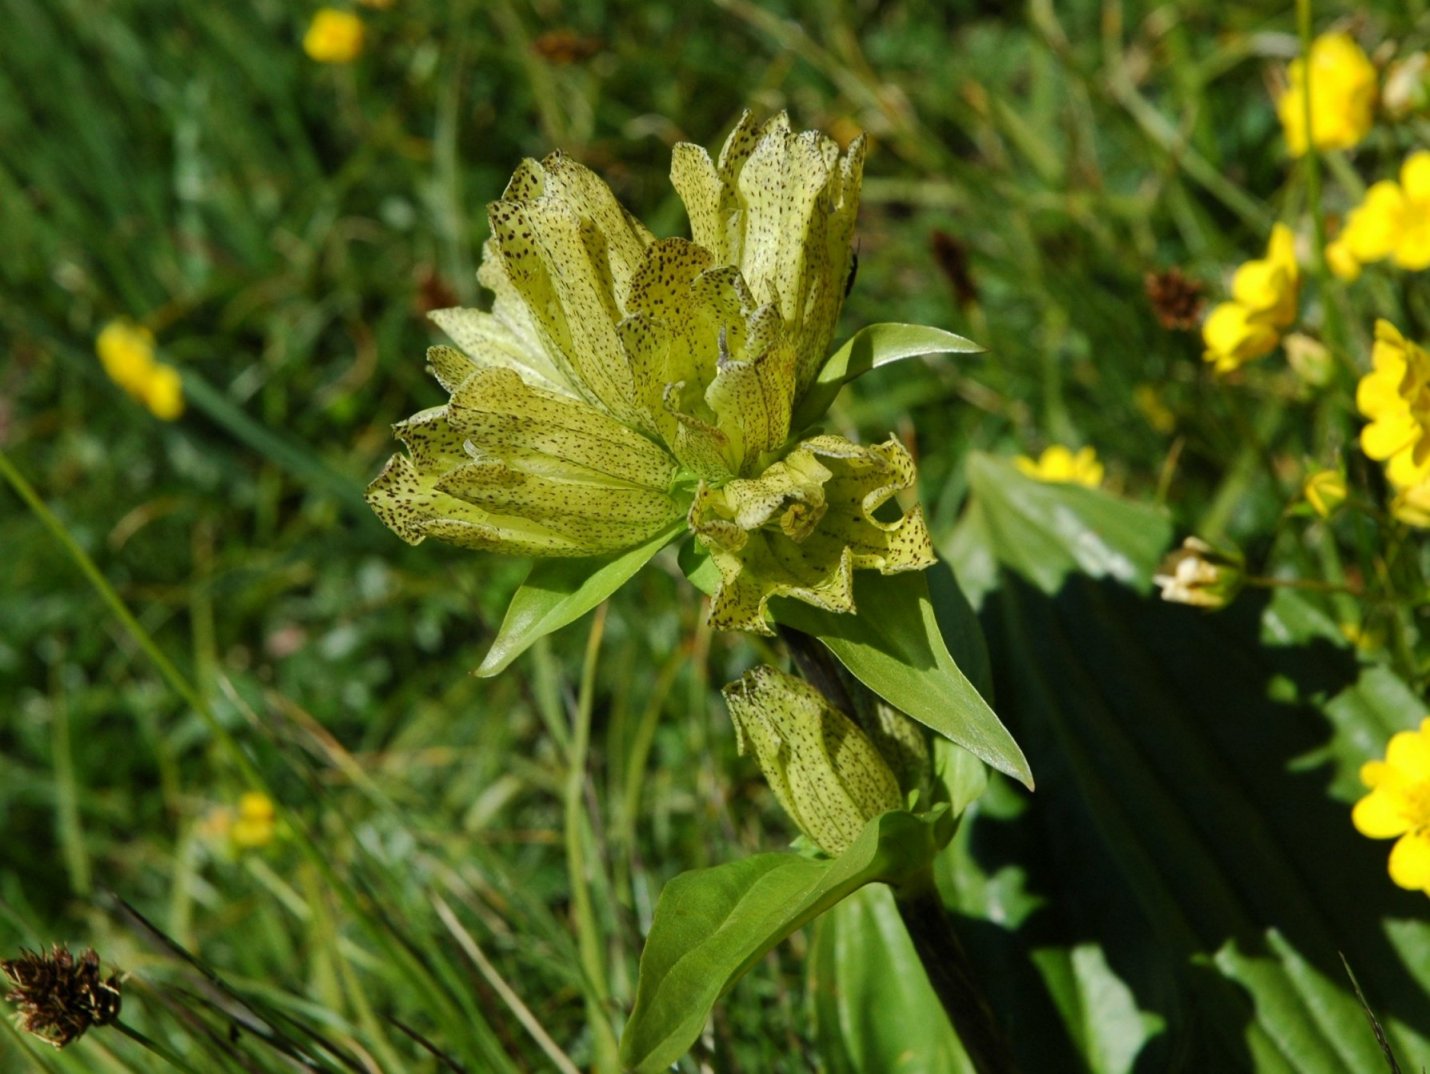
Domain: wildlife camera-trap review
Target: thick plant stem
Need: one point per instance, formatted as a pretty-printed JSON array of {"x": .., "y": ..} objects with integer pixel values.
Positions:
[{"x": 951, "y": 975}]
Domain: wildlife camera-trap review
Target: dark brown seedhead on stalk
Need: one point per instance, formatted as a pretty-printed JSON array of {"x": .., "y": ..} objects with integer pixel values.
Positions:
[
  {"x": 59, "y": 997},
  {"x": 1176, "y": 300}
]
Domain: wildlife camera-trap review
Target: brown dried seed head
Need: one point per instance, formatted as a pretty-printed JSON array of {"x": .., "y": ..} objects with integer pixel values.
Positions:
[
  {"x": 1176, "y": 300},
  {"x": 58, "y": 997}
]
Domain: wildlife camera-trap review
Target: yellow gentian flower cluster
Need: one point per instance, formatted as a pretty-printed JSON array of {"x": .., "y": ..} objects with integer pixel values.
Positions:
[
  {"x": 334, "y": 36},
  {"x": 625, "y": 386},
  {"x": 126, "y": 350},
  {"x": 1060, "y": 465},
  {"x": 1398, "y": 806},
  {"x": 1262, "y": 306},
  {"x": 1392, "y": 222},
  {"x": 1343, "y": 95},
  {"x": 1395, "y": 396}
]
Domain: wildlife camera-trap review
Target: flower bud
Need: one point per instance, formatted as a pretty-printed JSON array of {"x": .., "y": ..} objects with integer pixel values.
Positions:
[
  {"x": 1201, "y": 575},
  {"x": 825, "y": 771},
  {"x": 1325, "y": 490}
]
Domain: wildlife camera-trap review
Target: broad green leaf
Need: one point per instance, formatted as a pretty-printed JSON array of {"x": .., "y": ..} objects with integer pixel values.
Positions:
[
  {"x": 869, "y": 348},
  {"x": 894, "y": 646},
  {"x": 560, "y": 591},
  {"x": 1047, "y": 530},
  {"x": 712, "y": 925},
  {"x": 1195, "y": 774},
  {"x": 874, "y": 1009}
]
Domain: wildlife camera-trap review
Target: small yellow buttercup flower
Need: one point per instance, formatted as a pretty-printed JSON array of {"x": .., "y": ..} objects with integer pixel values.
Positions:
[
  {"x": 334, "y": 36},
  {"x": 126, "y": 350},
  {"x": 1392, "y": 222},
  {"x": 1325, "y": 490},
  {"x": 163, "y": 392},
  {"x": 1395, "y": 396},
  {"x": 1343, "y": 95},
  {"x": 256, "y": 823},
  {"x": 1264, "y": 292},
  {"x": 1060, "y": 465},
  {"x": 1398, "y": 806}
]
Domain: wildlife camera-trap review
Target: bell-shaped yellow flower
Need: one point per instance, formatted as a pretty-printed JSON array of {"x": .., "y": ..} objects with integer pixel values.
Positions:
[
  {"x": 1343, "y": 95},
  {"x": 826, "y": 773},
  {"x": 620, "y": 381}
]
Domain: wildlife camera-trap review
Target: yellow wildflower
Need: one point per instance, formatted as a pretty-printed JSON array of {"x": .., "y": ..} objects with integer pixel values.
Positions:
[
  {"x": 334, "y": 36},
  {"x": 624, "y": 386},
  {"x": 1395, "y": 396},
  {"x": 1059, "y": 465},
  {"x": 256, "y": 823},
  {"x": 1264, "y": 293},
  {"x": 1342, "y": 260},
  {"x": 163, "y": 392},
  {"x": 126, "y": 350},
  {"x": 1412, "y": 505},
  {"x": 1325, "y": 490},
  {"x": 1398, "y": 806},
  {"x": 1343, "y": 95},
  {"x": 1394, "y": 219}
]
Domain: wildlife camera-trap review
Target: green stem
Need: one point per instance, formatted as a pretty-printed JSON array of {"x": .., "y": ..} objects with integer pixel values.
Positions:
[
  {"x": 587, "y": 934},
  {"x": 951, "y": 975}
]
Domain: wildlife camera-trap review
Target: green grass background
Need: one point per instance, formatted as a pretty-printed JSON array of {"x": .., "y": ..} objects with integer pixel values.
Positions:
[{"x": 283, "y": 226}]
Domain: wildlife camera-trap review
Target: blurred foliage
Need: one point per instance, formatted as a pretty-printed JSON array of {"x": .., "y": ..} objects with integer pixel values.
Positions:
[{"x": 283, "y": 226}]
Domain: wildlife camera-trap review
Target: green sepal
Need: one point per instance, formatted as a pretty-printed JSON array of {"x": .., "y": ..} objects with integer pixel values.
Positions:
[
  {"x": 869, "y": 348},
  {"x": 894, "y": 646},
  {"x": 712, "y": 925},
  {"x": 560, "y": 591}
]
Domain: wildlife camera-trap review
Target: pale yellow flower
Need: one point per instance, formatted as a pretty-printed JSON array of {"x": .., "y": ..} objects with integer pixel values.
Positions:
[
  {"x": 1395, "y": 396},
  {"x": 1200, "y": 575},
  {"x": 1059, "y": 465},
  {"x": 1411, "y": 505},
  {"x": 1343, "y": 95},
  {"x": 1398, "y": 806},
  {"x": 1325, "y": 490},
  {"x": 334, "y": 36},
  {"x": 256, "y": 823}
]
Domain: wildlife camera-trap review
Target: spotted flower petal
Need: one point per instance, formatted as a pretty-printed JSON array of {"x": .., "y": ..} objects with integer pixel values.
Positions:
[{"x": 804, "y": 525}]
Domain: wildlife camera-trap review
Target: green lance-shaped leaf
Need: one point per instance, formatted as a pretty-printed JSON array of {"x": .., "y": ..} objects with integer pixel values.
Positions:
[
  {"x": 827, "y": 774},
  {"x": 894, "y": 646},
  {"x": 869, "y": 348},
  {"x": 712, "y": 925},
  {"x": 560, "y": 591}
]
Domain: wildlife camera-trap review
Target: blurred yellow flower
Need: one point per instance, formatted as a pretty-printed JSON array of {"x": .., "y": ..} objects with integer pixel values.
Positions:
[
  {"x": 1148, "y": 401},
  {"x": 1058, "y": 464},
  {"x": 1412, "y": 505},
  {"x": 126, "y": 350},
  {"x": 1398, "y": 806},
  {"x": 1343, "y": 95},
  {"x": 1395, "y": 396},
  {"x": 1263, "y": 293},
  {"x": 163, "y": 392},
  {"x": 334, "y": 36},
  {"x": 1325, "y": 490},
  {"x": 256, "y": 823},
  {"x": 1393, "y": 221}
]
